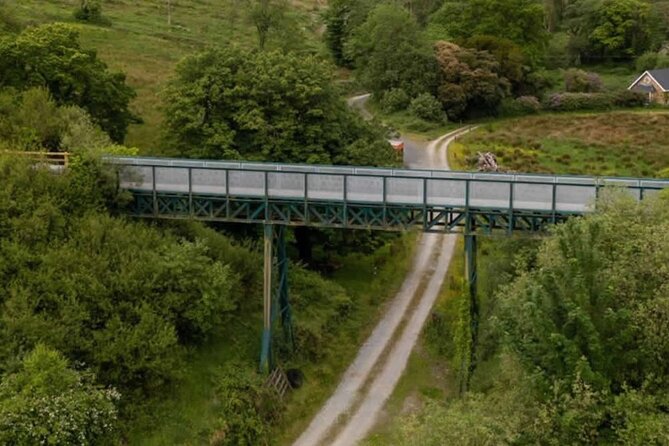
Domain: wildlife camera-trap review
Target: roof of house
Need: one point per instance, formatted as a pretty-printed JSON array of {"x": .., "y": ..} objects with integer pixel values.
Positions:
[{"x": 660, "y": 76}]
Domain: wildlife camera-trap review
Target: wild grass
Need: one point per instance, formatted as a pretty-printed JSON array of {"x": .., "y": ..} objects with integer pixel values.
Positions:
[
  {"x": 141, "y": 43},
  {"x": 405, "y": 122},
  {"x": 616, "y": 143}
]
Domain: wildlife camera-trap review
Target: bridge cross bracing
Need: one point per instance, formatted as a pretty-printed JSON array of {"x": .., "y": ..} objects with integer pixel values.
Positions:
[{"x": 361, "y": 197}]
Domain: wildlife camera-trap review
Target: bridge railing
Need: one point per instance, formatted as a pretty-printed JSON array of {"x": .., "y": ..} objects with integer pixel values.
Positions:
[
  {"x": 56, "y": 159},
  {"x": 388, "y": 187}
]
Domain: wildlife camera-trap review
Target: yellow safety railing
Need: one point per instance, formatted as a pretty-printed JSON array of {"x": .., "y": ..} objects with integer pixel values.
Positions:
[{"x": 53, "y": 158}]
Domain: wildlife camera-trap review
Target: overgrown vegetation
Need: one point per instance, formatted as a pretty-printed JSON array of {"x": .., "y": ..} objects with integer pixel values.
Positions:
[
  {"x": 592, "y": 144},
  {"x": 569, "y": 349}
]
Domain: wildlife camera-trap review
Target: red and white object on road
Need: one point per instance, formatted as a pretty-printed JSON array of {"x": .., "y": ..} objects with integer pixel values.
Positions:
[{"x": 397, "y": 144}]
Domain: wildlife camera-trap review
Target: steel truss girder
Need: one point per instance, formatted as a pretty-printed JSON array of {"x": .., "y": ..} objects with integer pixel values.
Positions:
[{"x": 339, "y": 214}]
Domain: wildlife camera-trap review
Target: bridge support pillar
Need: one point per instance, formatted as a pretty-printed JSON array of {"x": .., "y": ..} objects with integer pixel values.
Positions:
[
  {"x": 266, "y": 346},
  {"x": 275, "y": 296},
  {"x": 471, "y": 273}
]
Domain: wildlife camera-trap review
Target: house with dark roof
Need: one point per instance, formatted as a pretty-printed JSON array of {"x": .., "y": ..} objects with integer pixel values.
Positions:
[{"x": 655, "y": 83}]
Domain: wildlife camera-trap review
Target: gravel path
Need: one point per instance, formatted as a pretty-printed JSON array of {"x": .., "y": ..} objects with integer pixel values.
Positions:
[{"x": 371, "y": 378}]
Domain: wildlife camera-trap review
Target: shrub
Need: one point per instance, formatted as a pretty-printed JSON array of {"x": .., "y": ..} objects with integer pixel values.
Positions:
[
  {"x": 650, "y": 60},
  {"x": 579, "y": 81},
  {"x": 427, "y": 107},
  {"x": 524, "y": 105},
  {"x": 46, "y": 402},
  {"x": 246, "y": 407},
  {"x": 90, "y": 11},
  {"x": 627, "y": 98},
  {"x": 395, "y": 100},
  {"x": 594, "y": 101}
]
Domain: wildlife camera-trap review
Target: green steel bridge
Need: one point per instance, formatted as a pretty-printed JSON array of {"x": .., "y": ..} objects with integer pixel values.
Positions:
[{"x": 282, "y": 195}]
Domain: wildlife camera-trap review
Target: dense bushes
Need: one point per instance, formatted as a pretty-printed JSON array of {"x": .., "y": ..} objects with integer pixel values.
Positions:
[
  {"x": 247, "y": 407},
  {"x": 395, "y": 100},
  {"x": 427, "y": 107},
  {"x": 572, "y": 341},
  {"x": 120, "y": 297},
  {"x": 651, "y": 60},
  {"x": 579, "y": 81},
  {"x": 594, "y": 101},
  {"x": 32, "y": 121},
  {"x": 46, "y": 402},
  {"x": 524, "y": 105},
  {"x": 90, "y": 11}
]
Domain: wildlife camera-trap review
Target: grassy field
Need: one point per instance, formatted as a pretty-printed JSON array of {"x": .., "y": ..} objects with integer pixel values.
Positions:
[
  {"x": 140, "y": 42},
  {"x": 188, "y": 412},
  {"x": 617, "y": 143}
]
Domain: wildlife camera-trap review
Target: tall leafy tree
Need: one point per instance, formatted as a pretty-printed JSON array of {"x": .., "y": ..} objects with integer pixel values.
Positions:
[
  {"x": 618, "y": 29},
  {"x": 51, "y": 56},
  {"x": 520, "y": 21},
  {"x": 469, "y": 81},
  {"x": 390, "y": 51},
  {"x": 341, "y": 19},
  {"x": 230, "y": 103}
]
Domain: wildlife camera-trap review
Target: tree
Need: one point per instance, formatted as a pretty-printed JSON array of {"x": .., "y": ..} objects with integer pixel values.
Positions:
[
  {"x": 513, "y": 63},
  {"x": 623, "y": 27},
  {"x": 266, "y": 15},
  {"x": 341, "y": 19},
  {"x": 520, "y": 21},
  {"x": 230, "y": 103},
  {"x": 588, "y": 320},
  {"x": 122, "y": 297},
  {"x": 421, "y": 9},
  {"x": 614, "y": 29},
  {"x": 31, "y": 120},
  {"x": 51, "y": 56},
  {"x": 470, "y": 83},
  {"x": 390, "y": 52},
  {"x": 46, "y": 402}
]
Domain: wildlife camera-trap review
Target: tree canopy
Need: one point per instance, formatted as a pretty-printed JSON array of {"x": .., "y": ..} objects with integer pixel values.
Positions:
[
  {"x": 51, "y": 56},
  {"x": 619, "y": 29},
  {"x": 520, "y": 21},
  {"x": 469, "y": 81},
  {"x": 230, "y": 103},
  {"x": 389, "y": 52}
]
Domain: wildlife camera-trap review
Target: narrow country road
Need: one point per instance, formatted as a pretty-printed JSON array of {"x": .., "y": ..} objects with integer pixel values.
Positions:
[{"x": 353, "y": 409}]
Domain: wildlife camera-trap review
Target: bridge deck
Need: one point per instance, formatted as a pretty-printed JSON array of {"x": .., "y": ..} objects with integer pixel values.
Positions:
[{"x": 341, "y": 196}]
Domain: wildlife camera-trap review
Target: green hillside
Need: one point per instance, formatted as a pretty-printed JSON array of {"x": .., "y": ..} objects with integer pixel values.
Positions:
[{"x": 141, "y": 43}]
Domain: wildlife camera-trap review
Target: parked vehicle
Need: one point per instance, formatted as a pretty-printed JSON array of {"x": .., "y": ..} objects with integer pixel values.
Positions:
[{"x": 397, "y": 144}]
